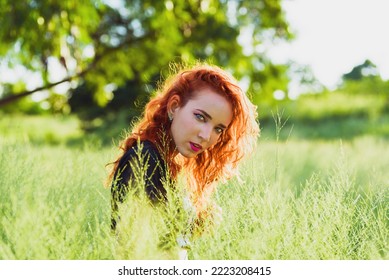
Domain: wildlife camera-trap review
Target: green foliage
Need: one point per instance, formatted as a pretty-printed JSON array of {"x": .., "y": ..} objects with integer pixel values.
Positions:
[
  {"x": 367, "y": 86},
  {"x": 366, "y": 69},
  {"x": 367, "y": 98},
  {"x": 26, "y": 105},
  {"x": 127, "y": 104},
  {"x": 34, "y": 31},
  {"x": 336, "y": 105},
  {"x": 39, "y": 130},
  {"x": 103, "y": 44}
]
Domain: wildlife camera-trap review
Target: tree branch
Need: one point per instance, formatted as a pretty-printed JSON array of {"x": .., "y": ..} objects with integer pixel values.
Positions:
[
  {"x": 96, "y": 59},
  {"x": 12, "y": 98},
  {"x": 4, "y": 101},
  {"x": 82, "y": 73}
]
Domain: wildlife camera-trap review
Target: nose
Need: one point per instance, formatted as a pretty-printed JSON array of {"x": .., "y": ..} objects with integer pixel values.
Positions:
[{"x": 205, "y": 133}]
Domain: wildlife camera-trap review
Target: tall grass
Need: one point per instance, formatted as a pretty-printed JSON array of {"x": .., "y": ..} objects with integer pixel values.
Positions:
[
  {"x": 318, "y": 209},
  {"x": 52, "y": 203},
  {"x": 329, "y": 200}
]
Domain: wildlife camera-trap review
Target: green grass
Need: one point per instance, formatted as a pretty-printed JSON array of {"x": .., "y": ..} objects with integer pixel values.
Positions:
[
  {"x": 38, "y": 129},
  {"x": 323, "y": 199},
  {"x": 338, "y": 104},
  {"x": 330, "y": 202}
]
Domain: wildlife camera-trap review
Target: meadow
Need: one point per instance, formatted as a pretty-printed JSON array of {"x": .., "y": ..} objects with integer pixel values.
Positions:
[{"x": 298, "y": 198}]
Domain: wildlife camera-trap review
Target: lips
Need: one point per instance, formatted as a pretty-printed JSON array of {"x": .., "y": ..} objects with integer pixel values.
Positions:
[{"x": 195, "y": 147}]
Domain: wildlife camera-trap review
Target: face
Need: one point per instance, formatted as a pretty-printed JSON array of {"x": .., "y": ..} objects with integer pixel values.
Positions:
[{"x": 198, "y": 125}]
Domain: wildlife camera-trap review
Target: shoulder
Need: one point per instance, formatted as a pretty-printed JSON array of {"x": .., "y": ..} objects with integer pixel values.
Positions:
[
  {"x": 143, "y": 149},
  {"x": 148, "y": 148}
]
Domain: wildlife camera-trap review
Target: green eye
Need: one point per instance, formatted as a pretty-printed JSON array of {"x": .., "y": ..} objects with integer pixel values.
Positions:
[
  {"x": 219, "y": 130},
  {"x": 200, "y": 117}
]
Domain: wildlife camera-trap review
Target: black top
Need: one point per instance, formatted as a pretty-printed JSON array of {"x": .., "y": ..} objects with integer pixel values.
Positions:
[{"x": 141, "y": 164}]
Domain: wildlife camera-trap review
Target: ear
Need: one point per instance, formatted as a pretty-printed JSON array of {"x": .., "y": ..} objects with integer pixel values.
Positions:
[{"x": 173, "y": 104}]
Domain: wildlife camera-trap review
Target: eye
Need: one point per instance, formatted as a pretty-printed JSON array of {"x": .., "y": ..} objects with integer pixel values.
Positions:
[
  {"x": 219, "y": 130},
  {"x": 199, "y": 117}
]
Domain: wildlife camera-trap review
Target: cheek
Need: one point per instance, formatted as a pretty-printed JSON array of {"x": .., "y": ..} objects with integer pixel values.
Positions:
[
  {"x": 214, "y": 139},
  {"x": 182, "y": 125},
  {"x": 184, "y": 118}
]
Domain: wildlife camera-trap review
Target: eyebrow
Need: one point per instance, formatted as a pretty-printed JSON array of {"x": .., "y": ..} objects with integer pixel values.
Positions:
[{"x": 209, "y": 117}]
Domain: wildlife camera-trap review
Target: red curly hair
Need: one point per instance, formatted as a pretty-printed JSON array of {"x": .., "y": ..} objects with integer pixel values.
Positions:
[{"x": 220, "y": 161}]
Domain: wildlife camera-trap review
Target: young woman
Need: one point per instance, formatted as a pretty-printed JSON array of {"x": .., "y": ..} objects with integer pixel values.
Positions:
[{"x": 200, "y": 123}]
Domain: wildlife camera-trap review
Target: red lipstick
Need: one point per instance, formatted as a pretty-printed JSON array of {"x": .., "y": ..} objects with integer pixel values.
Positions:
[{"x": 195, "y": 147}]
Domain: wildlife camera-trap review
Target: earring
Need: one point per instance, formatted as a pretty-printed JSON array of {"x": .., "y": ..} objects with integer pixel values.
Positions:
[{"x": 170, "y": 117}]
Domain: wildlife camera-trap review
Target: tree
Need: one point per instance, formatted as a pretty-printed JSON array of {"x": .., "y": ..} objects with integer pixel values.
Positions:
[
  {"x": 101, "y": 46},
  {"x": 366, "y": 69},
  {"x": 364, "y": 79}
]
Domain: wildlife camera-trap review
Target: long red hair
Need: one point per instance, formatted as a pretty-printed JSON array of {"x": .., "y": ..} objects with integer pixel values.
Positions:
[{"x": 219, "y": 162}]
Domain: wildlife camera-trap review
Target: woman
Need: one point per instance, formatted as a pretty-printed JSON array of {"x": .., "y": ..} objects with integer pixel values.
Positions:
[{"x": 201, "y": 124}]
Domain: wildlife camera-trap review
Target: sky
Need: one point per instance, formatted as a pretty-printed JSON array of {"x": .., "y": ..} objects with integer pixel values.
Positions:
[{"x": 333, "y": 36}]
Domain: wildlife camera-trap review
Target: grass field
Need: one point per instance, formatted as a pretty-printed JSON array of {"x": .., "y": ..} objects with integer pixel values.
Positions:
[{"x": 299, "y": 199}]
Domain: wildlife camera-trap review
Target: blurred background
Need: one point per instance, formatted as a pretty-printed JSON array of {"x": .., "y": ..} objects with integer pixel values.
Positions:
[{"x": 75, "y": 70}]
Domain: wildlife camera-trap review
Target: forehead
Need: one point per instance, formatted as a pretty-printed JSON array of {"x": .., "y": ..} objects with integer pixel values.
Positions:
[{"x": 213, "y": 103}]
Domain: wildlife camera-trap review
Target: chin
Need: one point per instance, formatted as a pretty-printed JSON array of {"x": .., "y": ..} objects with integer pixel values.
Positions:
[{"x": 187, "y": 154}]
